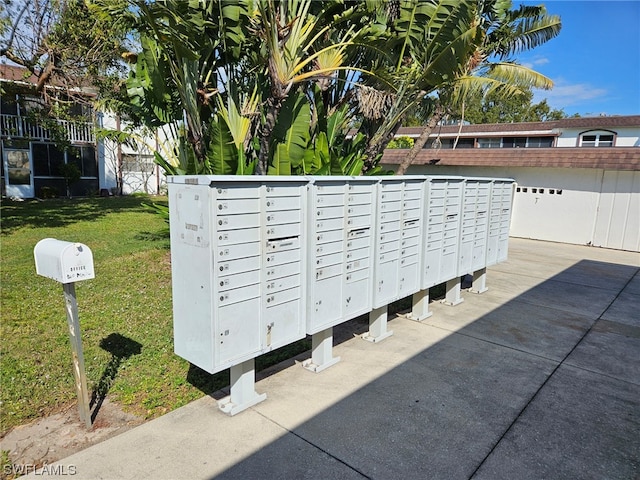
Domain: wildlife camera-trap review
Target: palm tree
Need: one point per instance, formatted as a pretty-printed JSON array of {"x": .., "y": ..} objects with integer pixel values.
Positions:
[{"x": 503, "y": 32}]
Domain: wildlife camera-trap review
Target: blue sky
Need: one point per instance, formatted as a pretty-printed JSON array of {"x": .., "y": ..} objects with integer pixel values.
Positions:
[{"x": 595, "y": 60}]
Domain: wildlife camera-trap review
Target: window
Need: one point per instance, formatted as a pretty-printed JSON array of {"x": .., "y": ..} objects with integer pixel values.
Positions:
[
  {"x": 137, "y": 163},
  {"x": 465, "y": 143},
  {"x": 47, "y": 160},
  {"x": 540, "y": 142},
  {"x": 514, "y": 142},
  {"x": 597, "y": 139},
  {"x": 489, "y": 142},
  {"x": 85, "y": 158}
]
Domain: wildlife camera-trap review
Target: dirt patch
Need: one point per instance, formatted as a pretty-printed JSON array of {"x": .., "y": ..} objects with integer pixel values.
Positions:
[{"x": 57, "y": 436}]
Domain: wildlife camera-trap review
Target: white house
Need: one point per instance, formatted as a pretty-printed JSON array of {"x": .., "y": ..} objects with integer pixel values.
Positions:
[
  {"x": 32, "y": 160},
  {"x": 578, "y": 178}
]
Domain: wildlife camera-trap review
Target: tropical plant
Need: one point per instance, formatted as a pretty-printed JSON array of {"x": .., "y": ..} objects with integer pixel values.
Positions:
[
  {"x": 502, "y": 32},
  {"x": 304, "y": 87}
]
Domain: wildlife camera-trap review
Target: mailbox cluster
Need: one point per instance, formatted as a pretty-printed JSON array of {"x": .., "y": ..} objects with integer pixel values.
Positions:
[{"x": 260, "y": 262}]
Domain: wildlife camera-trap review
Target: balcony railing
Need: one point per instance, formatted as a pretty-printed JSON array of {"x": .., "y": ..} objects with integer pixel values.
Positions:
[{"x": 14, "y": 126}]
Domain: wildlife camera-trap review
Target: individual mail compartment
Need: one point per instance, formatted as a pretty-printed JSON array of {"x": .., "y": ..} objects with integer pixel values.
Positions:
[
  {"x": 411, "y": 214},
  {"x": 330, "y": 236},
  {"x": 282, "y": 244},
  {"x": 413, "y": 191},
  {"x": 409, "y": 260},
  {"x": 394, "y": 206},
  {"x": 410, "y": 242},
  {"x": 329, "y": 224},
  {"x": 387, "y": 256},
  {"x": 411, "y": 228},
  {"x": 232, "y": 267},
  {"x": 284, "y": 230},
  {"x": 451, "y": 232},
  {"x": 330, "y": 271},
  {"x": 390, "y": 235},
  {"x": 358, "y": 264},
  {"x": 391, "y": 185},
  {"x": 237, "y": 205},
  {"x": 354, "y": 210},
  {"x": 234, "y": 222},
  {"x": 329, "y": 248},
  {"x": 230, "y": 282},
  {"x": 277, "y": 298},
  {"x": 357, "y": 275},
  {"x": 329, "y": 212},
  {"x": 412, "y": 204},
  {"x": 279, "y": 258},
  {"x": 284, "y": 270},
  {"x": 333, "y": 200},
  {"x": 360, "y": 187},
  {"x": 238, "y": 294},
  {"x": 435, "y": 236},
  {"x": 360, "y": 198},
  {"x": 330, "y": 259},
  {"x": 232, "y": 237},
  {"x": 283, "y": 189},
  {"x": 283, "y": 203},
  {"x": 390, "y": 216},
  {"x": 450, "y": 242},
  {"x": 389, "y": 226},
  {"x": 435, "y": 211},
  {"x": 356, "y": 254},
  {"x": 226, "y": 191},
  {"x": 436, "y": 201},
  {"x": 437, "y": 188},
  {"x": 468, "y": 227},
  {"x": 435, "y": 228},
  {"x": 329, "y": 187},
  {"x": 240, "y": 250},
  {"x": 358, "y": 242},
  {"x": 283, "y": 216},
  {"x": 408, "y": 250},
  {"x": 391, "y": 196},
  {"x": 359, "y": 221},
  {"x": 388, "y": 246}
]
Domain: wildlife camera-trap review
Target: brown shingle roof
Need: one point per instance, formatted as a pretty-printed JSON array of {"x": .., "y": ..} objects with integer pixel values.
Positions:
[
  {"x": 615, "y": 158},
  {"x": 542, "y": 127}
]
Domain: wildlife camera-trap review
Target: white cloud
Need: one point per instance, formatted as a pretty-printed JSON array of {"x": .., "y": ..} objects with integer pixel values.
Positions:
[{"x": 565, "y": 95}]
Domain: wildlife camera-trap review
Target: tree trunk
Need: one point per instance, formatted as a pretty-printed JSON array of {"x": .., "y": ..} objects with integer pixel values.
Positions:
[
  {"x": 421, "y": 140},
  {"x": 375, "y": 148}
]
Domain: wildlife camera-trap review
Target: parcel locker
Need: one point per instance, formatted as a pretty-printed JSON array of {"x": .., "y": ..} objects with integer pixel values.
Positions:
[
  {"x": 399, "y": 240},
  {"x": 238, "y": 253},
  {"x": 341, "y": 216},
  {"x": 443, "y": 205}
]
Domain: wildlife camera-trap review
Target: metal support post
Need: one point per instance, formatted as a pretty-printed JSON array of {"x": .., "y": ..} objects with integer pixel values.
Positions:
[
  {"x": 377, "y": 325},
  {"x": 76, "y": 351},
  {"x": 321, "y": 352},
  {"x": 420, "y": 307},
  {"x": 479, "y": 284},
  {"x": 243, "y": 394},
  {"x": 452, "y": 297}
]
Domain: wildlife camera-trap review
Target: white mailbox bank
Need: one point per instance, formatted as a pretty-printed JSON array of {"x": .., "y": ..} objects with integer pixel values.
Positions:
[
  {"x": 67, "y": 263},
  {"x": 260, "y": 262}
]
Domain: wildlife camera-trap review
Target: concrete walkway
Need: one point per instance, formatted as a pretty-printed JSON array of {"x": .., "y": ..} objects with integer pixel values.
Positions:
[{"x": 539, "y": 377}]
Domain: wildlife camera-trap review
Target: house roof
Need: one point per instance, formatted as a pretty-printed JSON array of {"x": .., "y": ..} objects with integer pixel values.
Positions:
[
  {"x": 552, "y": 127},
  {"x": 14, "y": 73},
  {"x": 613, "y": 158},
  {"x": 20, "y": 75}
]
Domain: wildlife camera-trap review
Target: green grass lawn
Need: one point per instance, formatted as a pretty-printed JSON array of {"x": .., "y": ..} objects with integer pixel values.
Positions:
[{"x": 125, "y": 312}]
